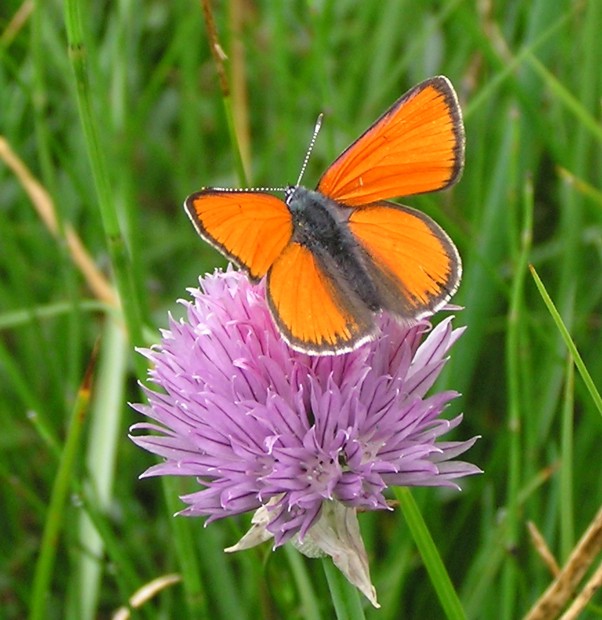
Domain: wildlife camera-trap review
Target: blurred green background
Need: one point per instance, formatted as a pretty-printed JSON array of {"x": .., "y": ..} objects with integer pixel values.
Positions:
[{"x": 141, "y": 77}]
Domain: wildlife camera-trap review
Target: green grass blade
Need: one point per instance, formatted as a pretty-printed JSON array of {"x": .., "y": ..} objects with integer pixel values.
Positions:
[
  {"x": 446, "y": 593},
  {"x": 568, "y": 341},
  {"x": 107, "y": 201},
  {"x": 100, "y": 460},
  {"x": 44, "y": 570}
]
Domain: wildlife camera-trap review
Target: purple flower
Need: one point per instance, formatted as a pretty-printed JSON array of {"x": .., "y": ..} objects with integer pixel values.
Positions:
[{"x": 302, "y": 440}]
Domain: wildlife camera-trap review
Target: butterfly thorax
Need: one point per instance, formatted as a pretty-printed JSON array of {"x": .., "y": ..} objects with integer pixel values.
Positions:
[
  {"x": 320, "y": 224},
  {"x": 317, "y": 220}
]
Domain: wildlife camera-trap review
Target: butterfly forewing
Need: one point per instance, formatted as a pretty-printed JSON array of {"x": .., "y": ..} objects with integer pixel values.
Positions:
[
  {"x": 311, "y": 310},
  {"x": 414, "y": 264},
  {"x": 251, "y": 228},
  {"x": 416, "y": 146}
]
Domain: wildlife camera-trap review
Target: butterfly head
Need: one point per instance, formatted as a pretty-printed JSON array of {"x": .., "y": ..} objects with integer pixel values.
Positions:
[{"x": 289, "y": 193}]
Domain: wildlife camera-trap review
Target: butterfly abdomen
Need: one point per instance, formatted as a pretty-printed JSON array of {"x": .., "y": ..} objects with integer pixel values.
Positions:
[{"x": 320, "y": 225}]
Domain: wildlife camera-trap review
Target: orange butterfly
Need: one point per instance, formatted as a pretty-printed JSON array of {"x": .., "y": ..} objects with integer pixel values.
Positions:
[{"x": 338, "y": 255}]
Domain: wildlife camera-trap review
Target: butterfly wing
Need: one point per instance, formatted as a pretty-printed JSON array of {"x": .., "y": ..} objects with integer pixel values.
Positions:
[
  {"x": 413, "y": 263},
  {"x": 416, "y": 146},
  {"x": 250, "y": 228},
  {"x": 314, "y": 311}
]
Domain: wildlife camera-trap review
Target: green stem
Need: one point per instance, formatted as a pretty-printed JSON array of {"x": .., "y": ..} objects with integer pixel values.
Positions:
[
  {"x": 345, "y": 597},
  {"x": 62, "y": 483},
  {"x": 567, "y": 473},
  {"x": 216, "y": 53},
  {"x": 566, "y": 336},
  {"x": 515, "y": 409},
  {"x": 238, "y": 161},
  {"x": 310, "y": 603},
  {"x": 116, "y": 243},
  {"x": 442, "y": 584}
]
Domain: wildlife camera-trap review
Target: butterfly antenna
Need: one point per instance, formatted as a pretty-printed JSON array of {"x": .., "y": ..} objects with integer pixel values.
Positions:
[
  {"x": 311, "y": 147},
  {"x": 244, "y": 190}
]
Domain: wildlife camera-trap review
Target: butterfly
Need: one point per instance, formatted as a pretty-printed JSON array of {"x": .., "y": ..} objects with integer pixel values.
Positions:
[{"x": 337, "y": 256}]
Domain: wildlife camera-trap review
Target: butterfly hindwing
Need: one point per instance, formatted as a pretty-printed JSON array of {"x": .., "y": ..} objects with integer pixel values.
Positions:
[
  {"x": 413, "y": 263},
  {"x": 416, "y": 146},
  {"x": 313, "y": 310},
  {"x": 251, "y": 228}
]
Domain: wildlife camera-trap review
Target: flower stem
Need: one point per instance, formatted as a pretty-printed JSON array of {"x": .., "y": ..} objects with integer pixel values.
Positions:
[{"x": 345, "y": 597}]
